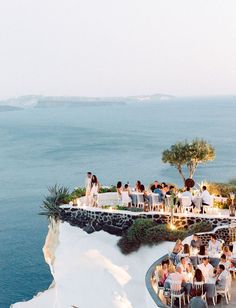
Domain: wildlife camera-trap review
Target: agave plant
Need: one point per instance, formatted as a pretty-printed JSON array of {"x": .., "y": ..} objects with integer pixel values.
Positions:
[{"x": 57, "y": 196}]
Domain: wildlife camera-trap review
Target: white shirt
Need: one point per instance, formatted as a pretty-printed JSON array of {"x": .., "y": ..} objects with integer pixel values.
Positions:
[
  {"x": 187, "y": 194},
  {"x": 206, "y": 197},
  {"x": 207, "y": 271},
  {"x": 214, "y": 248},
  {"x": 222, "y": 279},
  {"x": 88, "y": 185}
]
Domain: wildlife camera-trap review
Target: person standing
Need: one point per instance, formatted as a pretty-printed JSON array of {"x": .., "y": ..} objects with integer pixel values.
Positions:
[
  {"x": 95, "y": 186},
  {"x": 206, "y": 198},
  {"x": 88, "y": 188}
]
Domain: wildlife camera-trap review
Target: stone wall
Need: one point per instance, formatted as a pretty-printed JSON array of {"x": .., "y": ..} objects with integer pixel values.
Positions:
[{"x": 117, "y": 222}]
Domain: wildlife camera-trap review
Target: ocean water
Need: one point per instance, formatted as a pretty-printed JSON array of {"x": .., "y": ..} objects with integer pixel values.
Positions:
[{"x": 41, "y": 147}]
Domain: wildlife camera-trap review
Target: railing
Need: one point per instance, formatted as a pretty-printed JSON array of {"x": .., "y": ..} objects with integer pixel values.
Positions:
[{"x": 148, "y": 281}]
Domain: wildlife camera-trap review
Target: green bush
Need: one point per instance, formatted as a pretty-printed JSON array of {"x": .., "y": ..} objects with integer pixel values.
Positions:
[
  {"x": 147, "y": 232},
  {"x": 57, "y": 195},
  {"x": 202, "y": 226},
  {"x": 78, "y": 193},
  {"x": 107, "y": 189},
  {"x": 139, "y": 228},
  {"x": 221, "y": 189},
  {"x": 128, "y": 245}
]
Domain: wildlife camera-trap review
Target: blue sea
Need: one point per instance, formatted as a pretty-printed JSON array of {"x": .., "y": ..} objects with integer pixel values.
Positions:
[{"x": 41, "y": 147}]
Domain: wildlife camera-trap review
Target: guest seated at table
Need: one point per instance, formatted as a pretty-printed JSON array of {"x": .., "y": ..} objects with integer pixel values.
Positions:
[
  {"x": 171, "y": 190},
  {"x": 176, "y": 250},
  {"x": 159, "y": 192},
  {"x": 187, "y": 193},
  {"x": 154, "y": 186},
  {"x": 177, "y": 276},
  {"x": 198, "y": 276},
  {"x": 222, "y": 276},
  {"x": 214, "y": 245},
  {"x": 227, "y": 252},
  {"x": 197, "y": 301},
  {"x": 185, "y": 265},
  {"x": 206, "y": 268},
  {"x": 126, "y": 188},
  {"x": 162, "y": 273},
  {"x": 137, "y": 185},
  {"x": 186, "y": 253},
  {"x": 206, "y": 197},
  {"x": 163, "y": 184},
  {"x": 186, "y": 249},
  {"x": 223, "y": 260},
  {"x": 119, "y": 188},
  {"x": 196, "y": 242},
  {"x": 202, "y": 251},
  {"x": 170, "y": 265}
]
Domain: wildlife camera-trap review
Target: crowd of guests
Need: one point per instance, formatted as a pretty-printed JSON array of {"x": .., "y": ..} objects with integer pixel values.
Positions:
[
  {"x": 191, "y": 264},
  {"x": 163, "y": 190}
]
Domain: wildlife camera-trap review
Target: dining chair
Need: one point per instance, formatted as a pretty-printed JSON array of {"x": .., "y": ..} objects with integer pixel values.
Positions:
[{"x": 176, "y": 292}]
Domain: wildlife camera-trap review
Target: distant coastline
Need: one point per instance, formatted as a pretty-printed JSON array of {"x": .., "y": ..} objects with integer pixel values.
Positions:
[
  {"x": 9, "y": 108},
  {"x": 38, "y": 101}
]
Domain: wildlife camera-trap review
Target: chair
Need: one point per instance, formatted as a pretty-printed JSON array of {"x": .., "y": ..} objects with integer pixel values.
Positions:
[
  {"x": 209, "y": 208},
  {"x": 157, "y": 285},
  {"x": 125, "y": 198},
  {"x": 155, "y": 202},
  {"x": 226, "y": 292},
  {"x": 198, "y": 203},
  {"x": 200, "y": 285},
  {"x": 167, "y": 203},
  {"x": 140, "y": 200},
  {"x": 186, "y": 203},
  {"x": 176, "y": 292}
]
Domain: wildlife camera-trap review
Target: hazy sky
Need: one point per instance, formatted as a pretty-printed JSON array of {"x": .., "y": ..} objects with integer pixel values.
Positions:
[{"x": 117, "y": 47}]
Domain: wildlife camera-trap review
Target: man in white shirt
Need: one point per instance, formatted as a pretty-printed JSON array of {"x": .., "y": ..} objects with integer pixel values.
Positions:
[
  {"x": 206, "y": 197},
  {"x": 206, "y": 268},
  {"x": 176, "y": 277},
  {"x": 225, "y": 262},
  {"x": 214, "y": 246},
  {"x": 188, "y": 194},
  {"x": 222, "y": 278}
]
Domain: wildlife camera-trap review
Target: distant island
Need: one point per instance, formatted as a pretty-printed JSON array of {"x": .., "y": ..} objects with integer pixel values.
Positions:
[
  {"x": 9, "y": 108},
  {"x": 39, "y": 101}
]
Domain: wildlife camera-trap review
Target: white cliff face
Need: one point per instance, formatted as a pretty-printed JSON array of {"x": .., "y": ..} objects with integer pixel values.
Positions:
[{"x": 90, "y": 271}]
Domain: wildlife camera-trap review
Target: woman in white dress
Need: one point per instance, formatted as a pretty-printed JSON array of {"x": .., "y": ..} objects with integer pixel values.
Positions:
[
  {"x": 95, "y": 186},
  {"x": 88, "y": 188}
]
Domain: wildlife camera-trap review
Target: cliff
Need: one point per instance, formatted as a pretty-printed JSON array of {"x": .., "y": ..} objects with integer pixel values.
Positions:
[{"x": 90, "y": 272}]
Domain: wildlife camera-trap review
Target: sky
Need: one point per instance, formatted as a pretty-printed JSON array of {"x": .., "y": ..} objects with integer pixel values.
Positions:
[{"x": 117, "y": 47}]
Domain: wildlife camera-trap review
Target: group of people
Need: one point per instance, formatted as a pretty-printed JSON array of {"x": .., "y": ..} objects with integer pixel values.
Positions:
[
  {"x": 163, "y": 190},
  {"x": 191, "y": 264},
  {"x": 92, "y": 187}
]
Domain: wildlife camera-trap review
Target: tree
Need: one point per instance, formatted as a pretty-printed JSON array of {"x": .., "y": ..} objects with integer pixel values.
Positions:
[{"x": 189, "y": 155}]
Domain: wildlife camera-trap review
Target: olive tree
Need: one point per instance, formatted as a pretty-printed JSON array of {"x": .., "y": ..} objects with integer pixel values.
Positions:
[{"x": 189, "y": 154}]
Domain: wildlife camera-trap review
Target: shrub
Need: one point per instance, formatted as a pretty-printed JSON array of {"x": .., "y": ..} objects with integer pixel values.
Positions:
[
  {"x": 147, "y": 232},
  {"x": 57, "y": 196},
  {"x": 221, "y": 189},
  {"x": 128, "y": 245},
  {"x": 107, "y": 189},
  {"x": 202, "y": 226},
  {"x": 78, "y": 192},
  {"x": 139, "y": 228}
]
